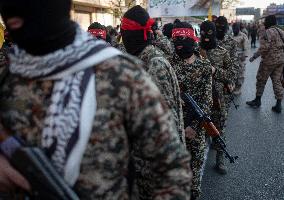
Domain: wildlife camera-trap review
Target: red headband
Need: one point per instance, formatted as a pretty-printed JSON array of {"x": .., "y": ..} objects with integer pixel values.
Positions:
[
  {"x": 184, "y": 32},
  {"x": 98, "y": 33},
  {"x": 130, "y": 25}
]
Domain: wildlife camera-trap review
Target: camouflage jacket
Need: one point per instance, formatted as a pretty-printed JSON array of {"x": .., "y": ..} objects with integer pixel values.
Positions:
[
  {"x": 271, "y": 47},
  {"x": 221, "y": 61},
  {"x": 120, "y": 47},
  {"x": 165, "y": 78},
  {"x": 230, "y": 45},
  {"x": 131, "y": 117},
  {"x": 196, "y": 80},
  {"x": 242, "y": 44},
  {"x": 164, "y": 44}
]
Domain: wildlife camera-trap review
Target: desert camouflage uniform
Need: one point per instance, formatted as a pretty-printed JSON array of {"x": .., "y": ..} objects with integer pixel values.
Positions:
[
  {"x": 196, "y": 80},
  {"x": 220, "y": 59},
  {"x": 165, "y": 78},
  {"x": 164, "y": 44},
  {"x": 230, "y": 45},
  {"x": 271, "y": 50},
  {"x": 120, "y": 47},
  {"x": 242, "y": 49},
  {"x": 131, "y": 117}
]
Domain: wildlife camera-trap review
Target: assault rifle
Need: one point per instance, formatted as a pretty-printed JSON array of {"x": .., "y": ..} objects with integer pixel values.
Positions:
[
  {"x": 231, "y": 96},
  {"x": 196, "y": 113},
  {"x": 32, "y": 163}
]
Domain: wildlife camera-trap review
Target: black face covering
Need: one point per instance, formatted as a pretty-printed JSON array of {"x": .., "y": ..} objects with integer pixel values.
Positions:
[
  {"x": 167, "y": 30},
  {"x": 221, "y": 27},
  {"x": 208, "y": 32},
  {"x": 270, "y": 21},
  {"x": 133, "y": 40},
  {"x": 184, "y": 47},
  {"x": 46, "y": 24},
  {"x": 236, "y": 29}
]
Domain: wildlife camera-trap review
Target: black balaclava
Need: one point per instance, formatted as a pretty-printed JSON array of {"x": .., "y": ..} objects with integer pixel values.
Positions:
[
  {"x": 208, "y": 35},
  {"x": 184, "y": 46},
  {"x": 46, "y": 24},
  {"x": 133, "y": 40},
  {"x": 167, "y": 30},
  {"x": 155, "y": 27},
  {"x": 270, "y": 21},
  {"x": 236, "y": 28},
  {"x": 176, "y": 21},
  {"x": 221, "y": 27},
  {"x": 97, "y": 26}
]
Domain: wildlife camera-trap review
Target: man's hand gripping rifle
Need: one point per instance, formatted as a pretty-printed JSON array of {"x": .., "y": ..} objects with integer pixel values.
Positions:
[
  {"x": 231, "y": 96},
  {"x": 205, "y": 121}
]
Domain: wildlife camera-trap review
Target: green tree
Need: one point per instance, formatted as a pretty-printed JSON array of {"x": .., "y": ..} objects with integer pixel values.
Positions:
[{"x": 118, "y": 7}]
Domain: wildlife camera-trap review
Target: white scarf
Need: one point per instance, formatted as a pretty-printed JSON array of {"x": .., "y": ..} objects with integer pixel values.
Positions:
[{"x": 70, "y": 116}]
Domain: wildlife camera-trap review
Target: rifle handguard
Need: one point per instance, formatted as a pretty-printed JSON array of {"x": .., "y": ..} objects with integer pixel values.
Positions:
[{"x": 211, "y": 129}]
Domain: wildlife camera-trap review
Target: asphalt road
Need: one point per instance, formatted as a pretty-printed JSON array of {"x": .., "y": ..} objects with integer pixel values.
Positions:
[{"x": 257, "y": 137}]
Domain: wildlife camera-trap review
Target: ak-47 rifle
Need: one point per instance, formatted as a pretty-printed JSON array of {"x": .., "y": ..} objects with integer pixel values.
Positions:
[
  {"x": 231, "y": 96},
  {"x": 33, "y": 164},
  {"x": 196, "y": 113}
]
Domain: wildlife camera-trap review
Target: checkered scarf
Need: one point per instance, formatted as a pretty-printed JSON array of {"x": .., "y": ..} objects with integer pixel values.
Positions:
[{"x": 69, "y": 120}]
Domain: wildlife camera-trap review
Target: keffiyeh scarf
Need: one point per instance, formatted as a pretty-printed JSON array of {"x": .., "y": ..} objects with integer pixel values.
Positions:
[{"x": 70, "y": 116}]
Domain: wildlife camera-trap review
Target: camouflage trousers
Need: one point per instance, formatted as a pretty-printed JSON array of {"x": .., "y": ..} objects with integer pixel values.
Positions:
[
  {"x": 197, "y": 147},
  {"x": 219, "y": 117},
  {"x": 275, "y": 73},
  {"x": 241, "y": 72}
]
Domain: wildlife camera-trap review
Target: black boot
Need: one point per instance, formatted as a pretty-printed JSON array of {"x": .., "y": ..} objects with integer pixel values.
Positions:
[
  {"x": 255, "y": 103},
  {"x": 277, "y": 108}
]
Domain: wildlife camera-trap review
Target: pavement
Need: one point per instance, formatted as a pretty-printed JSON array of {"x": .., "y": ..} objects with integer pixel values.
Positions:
[{"x": 257, "y": 137}]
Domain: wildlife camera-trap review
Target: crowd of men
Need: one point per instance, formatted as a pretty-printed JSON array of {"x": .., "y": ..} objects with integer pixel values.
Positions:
[{"x": 106, "y": 105}]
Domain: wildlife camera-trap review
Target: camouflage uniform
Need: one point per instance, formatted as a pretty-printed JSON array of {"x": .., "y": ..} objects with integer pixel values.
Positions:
[
  {"x": 165, "y": 78},
  {"x": 196, "y": 80},
  {"x": 164, "y": 44},
  {"x": 242, "y": 49},
  {"x": 271, "y": 51},
  {"x": 220, "y": 59},
  {"x": 131, "y": 117},
  {"x": 120, "y": 47},
  {"x": 230, "y": 45}
]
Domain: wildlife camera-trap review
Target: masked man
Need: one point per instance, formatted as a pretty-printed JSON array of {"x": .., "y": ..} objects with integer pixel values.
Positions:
[
  {"x": 195, "y": 78},
  {"x": 227, "y": 42},
  {"x": 136, "y": 36},
  {"x": 242, "y": 49},
  {"x": 272, "y": 61},
  {"x": 162, "y": 42},
  {"x": 97, "y": 30},
  {"x": 88, "y": 106},
  {"x": 220, "y": 59}
]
